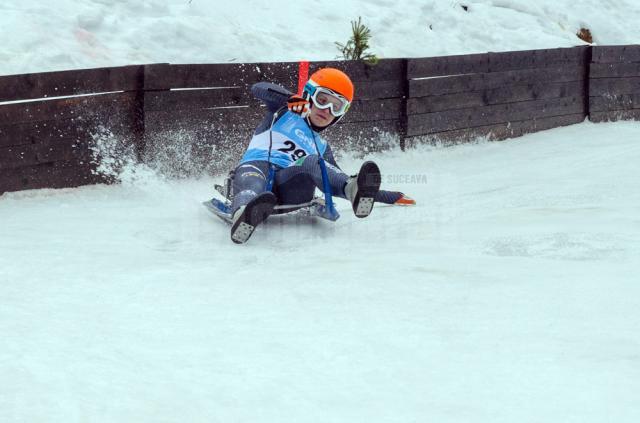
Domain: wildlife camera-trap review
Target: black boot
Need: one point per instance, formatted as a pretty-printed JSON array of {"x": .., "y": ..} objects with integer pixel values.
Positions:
[
  {"x": 247, "y": 217},
  {"x": 362, "y": 189}
]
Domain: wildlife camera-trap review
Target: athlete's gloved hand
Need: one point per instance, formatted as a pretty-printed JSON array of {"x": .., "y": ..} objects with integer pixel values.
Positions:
[
  {"x": 405, "y": 200},
  {"x": 298, "y": 105}
]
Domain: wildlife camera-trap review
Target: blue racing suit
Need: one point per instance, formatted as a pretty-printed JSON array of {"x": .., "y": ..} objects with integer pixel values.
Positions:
[{"x": 286, "y": 145}]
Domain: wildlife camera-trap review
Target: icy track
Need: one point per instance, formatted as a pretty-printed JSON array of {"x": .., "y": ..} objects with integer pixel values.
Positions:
[{"x": 511, "y": 293}]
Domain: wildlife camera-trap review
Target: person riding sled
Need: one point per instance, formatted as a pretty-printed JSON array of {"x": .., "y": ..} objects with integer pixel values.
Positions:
[{"x": 287, "y": 159}]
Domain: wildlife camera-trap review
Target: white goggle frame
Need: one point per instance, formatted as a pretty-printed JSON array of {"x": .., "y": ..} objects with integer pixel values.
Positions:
[{"x": 337, "y": 110}]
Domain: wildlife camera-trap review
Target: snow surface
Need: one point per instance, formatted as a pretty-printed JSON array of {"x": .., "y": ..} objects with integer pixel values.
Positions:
[
  {"x": 508, "y": 294},
  {"x": 38, "y": 36}
]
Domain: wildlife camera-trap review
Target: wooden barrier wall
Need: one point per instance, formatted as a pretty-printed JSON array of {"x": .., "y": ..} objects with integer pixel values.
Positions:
[
  {"x": 193, "y": 118},
  {"x": 614, "y": 91},
  {"x": 496, "y": 95},
  {"x": 46, "y": 143},
  {"x": 207, "y": 113}
]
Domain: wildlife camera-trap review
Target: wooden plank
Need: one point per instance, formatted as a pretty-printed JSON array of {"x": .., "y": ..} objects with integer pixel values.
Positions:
[
  {"x": 536, "y": 59},
  {"x": 165, "y": 76},
  {"x": 17, "y": 156},
  {"x": 615, "y": 115},
  {"x": 365, "y": 89},
  {"x": 67, "y": 83},
  {"x": 448, "y": 65},
  {"x": 12, "y": 135},
  {"x": 39, "y": 111},
  {"x": 358, "y": 71},
  {"x": 614, "y": 70},
  {"x": 478, "y": 82},
  {"x": 474, "y": 117},
  {"x": 40, "y": 132},
  {"x": 80, "y": 108},
  {"x": 48, "y": 175},
  {"x": 182, "y": 144},
  {"x": 367, "y": 109},
  {"x": 63, "y": 150},
  {"x": 508, "y": 94},
  {"x": 213, "y": 119},
  {"x": 616, "y": 54},
  {"x": 181, "y": 136},
  {"x": 495, "y": 132},
  {"x": 188, "y": 147},
  {"x": 68, "y": 138},
  {"x": 374, "y": 110},
  {"x": 188, "y": 151},
  {"x": 53, "y": 151},
  {"x": 197, "y": 99},
  {"x": 379, "y": 90},
  {"x": 364, "y": 137},
  {"x": 614, "y": 102},
  {"x": 361, "y": 111},
  {"x": 614, "y": 86},
  {"x": 496, "y": 62}
]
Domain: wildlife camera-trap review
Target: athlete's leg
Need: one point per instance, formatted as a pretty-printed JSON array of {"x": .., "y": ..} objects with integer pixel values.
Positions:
[
  {"x": 252, "y": 203},
  {"x": 299, "y": 181},
  {"x": 361, "y": 190},
  {"x": 293, "y": 185},
  {"x": 250, "y": 179}
]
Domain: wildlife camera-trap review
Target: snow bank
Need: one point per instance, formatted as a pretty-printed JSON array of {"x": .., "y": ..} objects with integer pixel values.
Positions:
[{"x": 41, "y": 36}]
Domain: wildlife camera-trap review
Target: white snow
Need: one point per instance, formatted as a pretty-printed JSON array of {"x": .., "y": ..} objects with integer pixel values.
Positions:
[
  {"x": 509, "y": 293},
  {"x": 40, "y": 36}
]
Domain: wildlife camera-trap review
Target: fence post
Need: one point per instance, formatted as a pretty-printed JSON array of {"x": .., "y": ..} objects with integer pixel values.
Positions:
[
  {"x": 138, "y": 125},
  {"x": 154, "y": 78},
  {"x": 404, "y": 119},
  {"x": 588, "y": 56}
]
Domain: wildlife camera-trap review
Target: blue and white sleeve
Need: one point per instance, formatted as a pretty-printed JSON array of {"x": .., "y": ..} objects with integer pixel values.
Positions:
[{"x": 272, "y": 95}]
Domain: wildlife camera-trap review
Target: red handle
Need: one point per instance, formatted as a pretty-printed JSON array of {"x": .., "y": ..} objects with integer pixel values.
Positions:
[{"x": 303, "y": 75}]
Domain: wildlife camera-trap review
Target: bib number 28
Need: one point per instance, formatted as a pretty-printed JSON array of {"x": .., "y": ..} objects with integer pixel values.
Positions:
[{"x": 294, "y": 152}]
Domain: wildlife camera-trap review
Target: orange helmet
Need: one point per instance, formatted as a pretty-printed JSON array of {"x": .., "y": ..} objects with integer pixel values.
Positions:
[
  {"x": 330, "y": 88},
  {"x": 333, "y": 79}
]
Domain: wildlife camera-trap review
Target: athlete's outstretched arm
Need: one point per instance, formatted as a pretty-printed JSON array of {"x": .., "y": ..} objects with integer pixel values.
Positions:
[{"x": 272, "y": 95}]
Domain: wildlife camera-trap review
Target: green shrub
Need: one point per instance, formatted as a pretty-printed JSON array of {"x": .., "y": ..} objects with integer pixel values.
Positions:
[{"x": 357, "y": 46}]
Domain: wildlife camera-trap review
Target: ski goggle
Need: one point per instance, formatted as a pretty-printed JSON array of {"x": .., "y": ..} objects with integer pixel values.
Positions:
[{"x": 324, "y": 98}]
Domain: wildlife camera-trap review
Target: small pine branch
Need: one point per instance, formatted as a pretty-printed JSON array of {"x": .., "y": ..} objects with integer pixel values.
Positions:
[{"x": 357, "y": 46}]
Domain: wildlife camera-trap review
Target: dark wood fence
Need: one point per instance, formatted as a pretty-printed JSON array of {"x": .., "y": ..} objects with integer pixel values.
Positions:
[
  {"x": 45, "y": 143},
  {"x": 496, "y": 95},
  {"x": 187, "y": 119},
  {"x": 614, "y": 91},
  {"x": 202, "y": 116}
]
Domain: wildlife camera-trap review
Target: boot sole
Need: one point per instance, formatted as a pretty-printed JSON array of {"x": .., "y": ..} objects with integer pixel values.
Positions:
[
  {"x": 368, "y": 186},
  {"x": 254, "y": 213}
]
